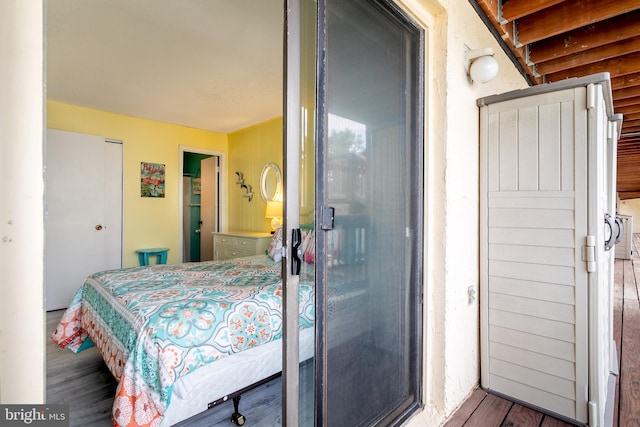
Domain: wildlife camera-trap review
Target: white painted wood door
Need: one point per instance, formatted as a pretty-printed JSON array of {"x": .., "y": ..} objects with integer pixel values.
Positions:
[
  {"x": 83, "y": 212},
  {"x": 542, "y": 334},
  {"x": 208, "y": 206}
]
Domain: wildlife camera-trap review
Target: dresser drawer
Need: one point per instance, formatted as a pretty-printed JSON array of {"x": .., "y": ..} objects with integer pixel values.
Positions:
[
  {"x": 228, "y": 252},
  {"x": 239, "y": 244}
]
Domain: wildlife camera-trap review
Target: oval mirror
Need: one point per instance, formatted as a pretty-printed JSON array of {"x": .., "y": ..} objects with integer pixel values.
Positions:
[{"x": 271, "y": 182}]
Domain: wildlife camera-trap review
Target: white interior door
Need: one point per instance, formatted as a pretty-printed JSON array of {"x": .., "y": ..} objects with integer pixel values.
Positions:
[
  {"x": 208, "y": 206},
  {"x": 83, "y": 211}
]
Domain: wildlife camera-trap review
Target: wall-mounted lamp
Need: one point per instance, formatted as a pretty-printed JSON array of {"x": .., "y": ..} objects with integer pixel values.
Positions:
[
  {"x": 274, "y": 211},
  {"x": 480, "y": 65}
]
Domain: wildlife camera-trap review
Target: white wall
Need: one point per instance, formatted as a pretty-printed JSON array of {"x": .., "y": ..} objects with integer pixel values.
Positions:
[
  {"x": 22, "y": 370},
  {"x": 452, "y": 138}
]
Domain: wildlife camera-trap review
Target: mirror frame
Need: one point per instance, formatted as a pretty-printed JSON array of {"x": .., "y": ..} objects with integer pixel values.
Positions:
[{"x": 268, "y": 169}]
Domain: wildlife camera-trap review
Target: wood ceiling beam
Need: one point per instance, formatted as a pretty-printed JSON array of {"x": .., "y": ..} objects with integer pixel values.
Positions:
[
  {"x": 630, "y": 158},
  {"x": 624, "y": 185},
  {"x": 622, "y": 154},
  {"x": 569, "y": 15},
  {"x": 629, "y": 151},
  {"x": 599, "y": 34},
  {"x": 626, "y": 64},
  {"x": 514, "y": 9},
  {"x": 628, "y": 110},
  {"x": 631, "y": 134},
  {"x": 629, "y": 146},
  {"x": 490, "y": 9},
  {"x": 627, "y": 92},
  {"x": 630, "y": 117},
  {"x": 625, "y": 102},
  {"x": 630, "y": 126},
  {"x": 590, "y": 56},
  {"x": 625, "y": 81},
  {"x": 626, "y": 195}
]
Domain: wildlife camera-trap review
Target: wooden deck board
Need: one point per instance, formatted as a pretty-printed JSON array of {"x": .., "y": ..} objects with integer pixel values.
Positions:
[
  {"x": 629, "y": 380},
  {"x": 490, "y": 413},
  {"x": 522, "y": 416},
  {"x": 482, "y": 409},
  {"x": 466, "y": 410}
]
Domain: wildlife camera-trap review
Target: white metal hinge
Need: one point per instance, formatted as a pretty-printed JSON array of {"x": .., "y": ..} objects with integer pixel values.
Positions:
[
  {"x": 593, "y": 414},
  {"x": 589, "y": 253},
  {"x": 591, "y": 96}
]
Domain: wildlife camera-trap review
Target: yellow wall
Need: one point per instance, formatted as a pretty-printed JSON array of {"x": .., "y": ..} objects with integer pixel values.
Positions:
[
  {"x": 249, "y": 150},
  {"x": 148, "y": 222}
]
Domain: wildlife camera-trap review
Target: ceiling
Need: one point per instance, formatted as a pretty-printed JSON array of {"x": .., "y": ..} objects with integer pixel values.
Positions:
[
  {"x": 552, "y": 40},
  {"x": 209, "y": 64}
]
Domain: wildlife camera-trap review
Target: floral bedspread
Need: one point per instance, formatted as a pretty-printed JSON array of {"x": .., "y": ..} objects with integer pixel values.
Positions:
[{"x": 155, "y": 324}]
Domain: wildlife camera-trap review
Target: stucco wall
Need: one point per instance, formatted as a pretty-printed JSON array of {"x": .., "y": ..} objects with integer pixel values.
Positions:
[
  {"x": 631, "y": 207},
  {"x": 452, "y": 146}
]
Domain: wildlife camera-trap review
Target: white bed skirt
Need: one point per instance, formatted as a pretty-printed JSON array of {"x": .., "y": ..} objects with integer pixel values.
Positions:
[{"x": 192, "y": 393}]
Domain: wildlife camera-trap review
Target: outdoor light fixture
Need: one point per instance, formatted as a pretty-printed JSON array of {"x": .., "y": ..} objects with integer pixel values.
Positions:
[{"x": 480, "y": 65}]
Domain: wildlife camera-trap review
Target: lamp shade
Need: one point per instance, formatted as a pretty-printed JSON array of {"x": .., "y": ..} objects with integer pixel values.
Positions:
[
  {"x": 484, "y": 69},
  {"x": 274, "y": 209}
]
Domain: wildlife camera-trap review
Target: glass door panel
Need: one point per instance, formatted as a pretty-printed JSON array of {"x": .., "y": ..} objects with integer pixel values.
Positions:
[{"x": 369, "y": 213}]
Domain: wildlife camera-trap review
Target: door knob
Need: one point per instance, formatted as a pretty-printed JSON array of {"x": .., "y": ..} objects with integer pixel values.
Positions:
[{"x": 98, "y": 227}]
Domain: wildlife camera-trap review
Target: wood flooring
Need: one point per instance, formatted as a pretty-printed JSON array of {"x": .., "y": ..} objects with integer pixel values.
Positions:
[
  {"x": 84, "y": 382},
  {"x": 485, "y": 410}
]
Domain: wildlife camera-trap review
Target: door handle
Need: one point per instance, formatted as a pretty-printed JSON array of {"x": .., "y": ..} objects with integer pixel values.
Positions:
[
  {"x": 610, "y": 237},
  {"x": 296, "y": 256},
  {"x": 98, "y": 227},
  {"x": 620, "y": 225}
]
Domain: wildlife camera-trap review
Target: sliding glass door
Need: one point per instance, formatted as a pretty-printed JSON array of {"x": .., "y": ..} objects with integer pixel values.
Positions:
[{"x": 354, "y": 212}]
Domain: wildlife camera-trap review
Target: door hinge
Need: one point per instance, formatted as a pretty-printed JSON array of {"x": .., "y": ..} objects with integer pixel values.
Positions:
[
  {"x": 591, "y": 96},
  {"x": 589, "y": 253},
  {"x": 593, "y": 414}
]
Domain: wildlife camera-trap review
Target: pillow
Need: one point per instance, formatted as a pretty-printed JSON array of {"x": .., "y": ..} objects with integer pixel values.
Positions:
[
  {"x": 309, "y": 246},
  {"x": 275, "y": 247}
]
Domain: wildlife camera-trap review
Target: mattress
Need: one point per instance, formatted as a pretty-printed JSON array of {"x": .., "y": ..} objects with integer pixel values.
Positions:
[{"x": 193, "y": 393}]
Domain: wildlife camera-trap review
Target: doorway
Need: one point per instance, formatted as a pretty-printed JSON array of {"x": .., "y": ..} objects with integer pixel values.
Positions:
[{"x": 202, "y": 200}]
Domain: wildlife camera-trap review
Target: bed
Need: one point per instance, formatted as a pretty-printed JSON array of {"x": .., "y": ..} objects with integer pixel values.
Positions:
[{"x": 177, "y": 337}]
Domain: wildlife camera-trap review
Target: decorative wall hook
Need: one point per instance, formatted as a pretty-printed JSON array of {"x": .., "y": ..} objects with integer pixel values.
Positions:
[{"x": 247, "y": 188}]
